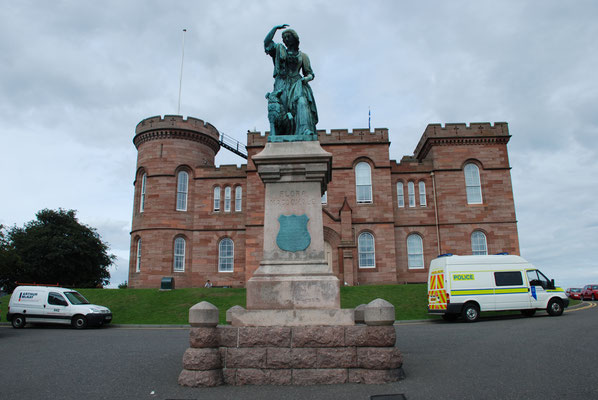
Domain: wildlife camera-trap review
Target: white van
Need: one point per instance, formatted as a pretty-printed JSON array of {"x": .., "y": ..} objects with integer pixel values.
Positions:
[
  {"x": 466, "y": 285},
  {"x": 48, "y": 304}
]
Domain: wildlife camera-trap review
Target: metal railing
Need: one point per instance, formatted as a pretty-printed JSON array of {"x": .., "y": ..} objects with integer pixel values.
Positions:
[{"x": 233, "y": 145}]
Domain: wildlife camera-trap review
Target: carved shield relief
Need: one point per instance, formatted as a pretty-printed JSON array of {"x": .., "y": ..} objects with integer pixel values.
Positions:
[{"x": 293, "y": 235}]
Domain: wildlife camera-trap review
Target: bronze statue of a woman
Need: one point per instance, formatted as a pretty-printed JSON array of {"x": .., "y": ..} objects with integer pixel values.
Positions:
[{"x": 291, "y": 105}]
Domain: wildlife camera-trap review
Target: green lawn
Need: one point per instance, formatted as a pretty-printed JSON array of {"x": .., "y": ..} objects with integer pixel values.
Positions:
[{"x": 151, "y": 306}]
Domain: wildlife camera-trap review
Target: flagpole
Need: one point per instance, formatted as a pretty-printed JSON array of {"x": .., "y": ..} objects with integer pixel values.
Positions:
[
  {"x": 369, "y": 119},
  {"x": 178, "y": 110}
]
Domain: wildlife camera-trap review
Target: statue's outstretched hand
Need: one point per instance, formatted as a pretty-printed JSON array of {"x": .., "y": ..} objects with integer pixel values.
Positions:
[{"x": 282, "y": 26}]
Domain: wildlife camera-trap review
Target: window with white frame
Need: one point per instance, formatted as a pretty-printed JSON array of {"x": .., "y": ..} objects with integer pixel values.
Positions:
[
  {"x": 411, "y": 193},
  {"x": 217, "y": 198},
  {"x": 227, "y": 191},
  {"x": 479, "y": 246},
  {"x": 138, "y": 259},
  {"x": 400, "y": 195},
  {"x": 422, "y": 194},
  {"x": 226, "y": 255},
  {"x": 472, "y": 184},
  {"x": 179, "y": 255},
  {"x": 366, "y": 250},
  {"x": 325, "y": 197},
  {"x": 238, "y": 198},
  {"x": 415, "y": 251},
  {"x": 142, "y": 198},
  {"x": 363, "y": 182},
  {"x": 182, "y": 190}
]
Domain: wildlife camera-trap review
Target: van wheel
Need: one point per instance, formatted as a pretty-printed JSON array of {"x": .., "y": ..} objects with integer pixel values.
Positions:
[
  {"x": 471, "y": 312},
  {"x": 528, "y": 313},
  {"x": 555, "y": 307},
  {"x": 18, "y": 321},
  {"x": 449, "y": 317},
  {"x": 80, "y": 322}
]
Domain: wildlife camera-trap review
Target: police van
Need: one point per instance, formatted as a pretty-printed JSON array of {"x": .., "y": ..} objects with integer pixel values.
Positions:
[
  {"x": 466, "y": 285},
  {"x": 49, "y": 304}
]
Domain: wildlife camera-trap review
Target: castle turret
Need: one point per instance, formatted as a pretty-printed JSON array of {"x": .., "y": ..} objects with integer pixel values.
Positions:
[{"x": 169, "y": 150}]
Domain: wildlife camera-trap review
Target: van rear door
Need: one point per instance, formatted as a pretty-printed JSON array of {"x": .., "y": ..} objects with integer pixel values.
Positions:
[{"x": 437, "y": 296}]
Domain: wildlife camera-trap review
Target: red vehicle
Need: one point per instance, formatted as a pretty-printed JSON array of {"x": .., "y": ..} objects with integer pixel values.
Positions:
[
  {"x": 589, "y": 292},
  {"x": 574, "y": 293}
]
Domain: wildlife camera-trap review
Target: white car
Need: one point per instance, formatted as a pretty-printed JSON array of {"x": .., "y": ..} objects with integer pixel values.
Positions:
[{"x": 49, "y": 304}]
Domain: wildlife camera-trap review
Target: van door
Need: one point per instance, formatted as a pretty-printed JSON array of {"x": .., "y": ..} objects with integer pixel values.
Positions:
[
  {"x": 57, "y": 308},
  {"x": 510, "y": 292},
  {"x": 538, "y": 286}
]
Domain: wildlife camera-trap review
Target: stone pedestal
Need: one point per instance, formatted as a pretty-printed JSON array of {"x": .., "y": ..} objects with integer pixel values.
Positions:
[{"x": 293, "y": 274}]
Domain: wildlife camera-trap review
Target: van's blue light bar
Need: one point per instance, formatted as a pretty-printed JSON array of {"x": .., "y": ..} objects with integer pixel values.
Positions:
[
  {"x": 504, "y": 253},
  {"x": 445, "y": 255}
]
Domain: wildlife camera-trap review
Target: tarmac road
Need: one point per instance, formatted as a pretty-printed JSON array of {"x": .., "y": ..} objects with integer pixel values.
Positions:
[{"x": 508, "y": 358}]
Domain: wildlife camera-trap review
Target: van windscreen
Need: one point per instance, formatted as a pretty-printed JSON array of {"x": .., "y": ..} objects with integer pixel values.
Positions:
[{"x": 76, "y": 298}]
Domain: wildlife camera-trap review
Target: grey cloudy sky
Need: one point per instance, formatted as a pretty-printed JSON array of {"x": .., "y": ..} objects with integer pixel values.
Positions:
[{"x": 77, "y": 76}]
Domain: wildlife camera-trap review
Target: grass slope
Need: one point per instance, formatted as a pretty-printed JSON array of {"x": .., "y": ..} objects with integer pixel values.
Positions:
[{"x": 151, "y": 306}]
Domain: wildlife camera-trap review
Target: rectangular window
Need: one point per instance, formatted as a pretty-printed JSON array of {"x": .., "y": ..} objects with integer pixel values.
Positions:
[
  {"x": 422, "y": 194},
  {"x": 138, "y": 261},
  {"x": 142, "y": 199},
  {"x": 325, "y": 198},
  {"x": 238, "y": 198},
  {"x": 182, "y": 189},
  {"x": 227, "y": 199},
  {"x": 510, "y": 278},
  {"x": 411, "y": 193},
  {"x": 400, "y": 195},
  {"x": 216, "y": 199}
]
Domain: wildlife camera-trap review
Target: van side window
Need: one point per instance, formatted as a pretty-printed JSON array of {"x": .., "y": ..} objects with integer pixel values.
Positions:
[
  {"x": 56, "y": 299},
  {"x": 511, "y": 278}
]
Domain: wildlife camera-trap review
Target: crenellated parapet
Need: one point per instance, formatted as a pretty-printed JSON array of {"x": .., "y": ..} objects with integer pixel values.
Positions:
[
  {"x": 461, "y": 134},
  {"x": 176, "y": 127},
  {"x": 334, "y": 136}
]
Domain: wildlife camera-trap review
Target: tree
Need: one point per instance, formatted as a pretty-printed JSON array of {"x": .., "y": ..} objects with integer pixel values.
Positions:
[
  {"x": 10, "y": 263},
  {"x": 56, "y": 249}
]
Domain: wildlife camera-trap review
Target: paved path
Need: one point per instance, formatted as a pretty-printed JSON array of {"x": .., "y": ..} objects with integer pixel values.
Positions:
[{"x": 508, "y": 358}]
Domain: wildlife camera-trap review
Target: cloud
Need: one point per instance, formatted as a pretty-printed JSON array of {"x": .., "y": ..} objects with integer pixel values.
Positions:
[{"x": 77, "y": 77}]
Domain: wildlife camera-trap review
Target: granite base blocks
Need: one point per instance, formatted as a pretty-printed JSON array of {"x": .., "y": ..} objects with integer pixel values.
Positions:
[{"x": 282, "y": 355}]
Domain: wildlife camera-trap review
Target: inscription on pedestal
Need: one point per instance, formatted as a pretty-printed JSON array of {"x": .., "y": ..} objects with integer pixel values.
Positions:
[{"x": 292, "y": 198}]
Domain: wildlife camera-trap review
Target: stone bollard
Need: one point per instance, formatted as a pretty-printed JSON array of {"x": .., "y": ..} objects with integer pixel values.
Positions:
[
  {"x": 379, "y": 312},
  {"x": 231, "y": 311},
  {"x": 202, "y": 363},
  {"x": 359, "y": 317}
]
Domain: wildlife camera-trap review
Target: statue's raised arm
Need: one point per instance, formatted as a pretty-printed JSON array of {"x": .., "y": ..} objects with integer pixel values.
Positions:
[{"x": 291, "y": 105}]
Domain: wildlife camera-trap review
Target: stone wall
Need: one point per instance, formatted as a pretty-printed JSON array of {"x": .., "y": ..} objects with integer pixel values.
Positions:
[{"x": 303, "y": 355}]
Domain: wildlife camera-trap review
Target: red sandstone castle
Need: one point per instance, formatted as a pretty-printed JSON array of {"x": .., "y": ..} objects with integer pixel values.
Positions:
[{"x": 384, "y": 221}]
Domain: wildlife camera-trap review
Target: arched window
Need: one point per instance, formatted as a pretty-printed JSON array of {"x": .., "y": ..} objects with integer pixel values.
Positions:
[
  {"x": 181, "y": 191},
  {"x": 478, "y": 244},
  {"x": 422, "y": 194},
  {"x": 472, "y": 184},
  {"x": 415, "y": 251},
  {"x": 238, "y": 198},
  {"x": 226, "y": 255},
  {"x": 142, "y": 198},
  {"x": 227, "y": 199},
  {"x": 179, "y": 254},
  {"x": 363, "y": 182},
  {"x": 366, "y": 250},
  {"x": 138, "y": 259},
  {"x": 400, "y": 195},
  {"x": 411, "y": 193},
  {"x": 217, "y": 198}
]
